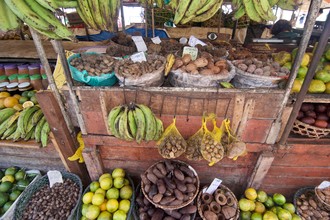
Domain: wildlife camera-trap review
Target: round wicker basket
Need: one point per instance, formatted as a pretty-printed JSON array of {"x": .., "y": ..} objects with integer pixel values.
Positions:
[
  {"x": 305, "y": 190},
  {"x": 309, "y": 130},
  {"x": 172, "y": 207},
  {"x": 323, "y": 205},
  {"x": 226, "y": 189}
]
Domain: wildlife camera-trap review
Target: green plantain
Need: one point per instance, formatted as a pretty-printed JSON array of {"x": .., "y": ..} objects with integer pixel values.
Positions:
[
  {"x": 251, "y": 11},
  {"x": 180, "y": 10}
]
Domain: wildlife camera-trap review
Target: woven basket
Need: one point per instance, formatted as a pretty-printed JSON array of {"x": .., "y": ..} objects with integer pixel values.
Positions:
[
  {"x": 304, "y": 190},
  {"x": 173, "y": 207},
  {"x": 223, "y": 187},
  {"x": 323, "y": 205},
  {"x": 309, "y": 130},
  {"x": 130, "y": 213},
  {"x": 33, "y": 188}
]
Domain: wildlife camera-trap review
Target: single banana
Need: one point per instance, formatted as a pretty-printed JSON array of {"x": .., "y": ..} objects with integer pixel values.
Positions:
[
  {"x": 13, "y": 119},
  {"x": 116, "y": 132},
  {"x": 114, "y": 7},
  {"x": 150, "y": 122},
  {"x": 66, "y": 4},
  {"x": 236, "y": 4},
  {"x": 37, "y": 131},
  {"x": 273, "y": 2},
  {"x": 17, "y": 135},
  {"x": 9, "y": 131},
  {"x": 44, "y": 134},
  {"x": 170, "y": 59},
  {"x": 49, "y": 4},
  {"x": 6, "y": 113},
  {"x": 87, "y": 13},
  {"x": 123, "y": 126},
  {"x": 194, "y": 6},
  {"x": 3, "y": 126},
  {"x": 29, "y": 135},
  {"x": 113, "y": 114},
  {"x": 140, "y": 122},
  {"x": 58, "y": 28},
  {"x": 180, "y": 11},
  {"x": 131, "y": 123},
  {"x": 264, "y": 10},
  {"x": 8, "y": 20},
  {"x": 106, "y": 14},
  {"x": 160, "y": 3},
  {"x": 24, "y": 118},
  {"x": 251, "y": 11},
  {"x": 173, "y": 4},
  {"x": 240, "y": 12},
  {"x": 26, "y": 14},
  {"x": 96, "y": 13},
  {"x": 207, "y": 6},
  {"x": 35, "y": 118},
  {"x": 160, "y": 129},
  {"x": 210, "y": 13}
]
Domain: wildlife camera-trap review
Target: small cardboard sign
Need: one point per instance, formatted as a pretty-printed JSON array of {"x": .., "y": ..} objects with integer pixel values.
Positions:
[
  {"x": 139, "y": 43},
  {"x": 54, "y": 176},
  {"x": 138, "y": 57},
  {"x": 213, "y": 186},
  {"x": 193, "y": 41},
  {"x": 156, "y": 40},
  {"x": 193, "y": 51}
]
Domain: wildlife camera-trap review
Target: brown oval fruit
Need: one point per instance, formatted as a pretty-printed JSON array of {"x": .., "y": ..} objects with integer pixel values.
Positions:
[
  {"x": 321, "y": 124},
  {"x": 308, "y": 120}
]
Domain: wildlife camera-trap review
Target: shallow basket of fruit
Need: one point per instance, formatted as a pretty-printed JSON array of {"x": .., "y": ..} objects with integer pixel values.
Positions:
[
  {"x": 144, "y": 210},
  {"x": 309, "y": 130},
  {"x": 202, "y": 72},
  {"x": 170, "y": 184},
  {"x": 254, "y": 73},
  {"x": 13, "y": 183},
  {"x": 145, "y": 73},
  {"x": 222, "y": 204},
  {"x": 93, "y": 69},
  {"x": 58, "y": 202},
  {"x": 112, "y": 196}
]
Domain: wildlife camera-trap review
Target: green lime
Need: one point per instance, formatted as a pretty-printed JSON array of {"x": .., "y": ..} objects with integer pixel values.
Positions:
[
  {"x": 6, "y": 186},
  {"x": 34, "y": 100},
  {"x": 4, "y": 197},
  {"x": 25, "y": 94},
  {"x": 20, "y": 175},
  {"x": 11, "y": 171},
  {"x": 23, "y": 99},
  {"x": 22, "y": 184},
  {"x": 31, "y": 94},
  {"x": 14, "y": 195},
  {"x": 7, "y": 205}
]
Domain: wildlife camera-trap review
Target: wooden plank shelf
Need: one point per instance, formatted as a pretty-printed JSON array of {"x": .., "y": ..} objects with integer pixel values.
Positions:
[
  {"x": 31, "y": 144},
  {"x": 317, "y": 98}
]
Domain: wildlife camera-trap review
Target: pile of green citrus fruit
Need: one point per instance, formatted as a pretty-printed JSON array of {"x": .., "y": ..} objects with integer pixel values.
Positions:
[
  {"x": 258, "y": 205},
  {"x": 108, "y": 198},
  {"x": 13, "y": 181}
]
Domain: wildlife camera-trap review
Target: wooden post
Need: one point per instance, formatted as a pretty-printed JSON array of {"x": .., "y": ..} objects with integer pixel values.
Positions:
[
  {"x": 65, "y": 142},
  {"x": 247, "y": 113},
  {"x": 238, "y": 111},
  {"x": 260, "y": 171},
  {"x": 93, "y": 162}
]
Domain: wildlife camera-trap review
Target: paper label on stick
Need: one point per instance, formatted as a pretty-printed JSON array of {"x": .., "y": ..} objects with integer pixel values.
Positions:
[
  {"x": 156, "y": 40},
  {"x": 193, "y": 51},
  {"x": 324, "y": 184},
  {"x": 54, "y": 176},
  {"x": 214, "y": 186},
  {"x": 193, "y": 41},
  {"x": 139, "y": 43},
  {"x": 138, "y": 57}
]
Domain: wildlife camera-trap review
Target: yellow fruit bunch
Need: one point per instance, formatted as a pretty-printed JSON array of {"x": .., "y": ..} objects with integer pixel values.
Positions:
[{"x": 109, "y": 197}]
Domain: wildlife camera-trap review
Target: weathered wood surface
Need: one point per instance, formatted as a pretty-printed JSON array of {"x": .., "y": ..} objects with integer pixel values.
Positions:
[{"x": 26, "y": 48}]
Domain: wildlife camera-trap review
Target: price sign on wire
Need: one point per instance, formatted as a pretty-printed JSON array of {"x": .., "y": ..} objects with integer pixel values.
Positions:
[
  {"x": 139, "y": 43},
  {"x": 54, "y": 176},
  {"x": 193, "y": 41}
]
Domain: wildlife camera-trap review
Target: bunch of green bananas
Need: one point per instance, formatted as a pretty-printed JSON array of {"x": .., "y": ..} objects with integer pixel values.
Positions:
[
  {"x": 99, "y": 14},
  {"x": 261, "y": 10},
  {"x": 38, "y": 14},
  {"x": 30, "y": 123},
  {"x": 134, "y": 122}
]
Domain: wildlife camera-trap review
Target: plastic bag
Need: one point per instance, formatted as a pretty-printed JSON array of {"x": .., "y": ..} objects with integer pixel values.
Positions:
[
  {"x": 234, "y": 146},
  {"x": 107, "y": 79},
  {"x": 211, "y": 147},
  {"x": 171, "y": 144}
]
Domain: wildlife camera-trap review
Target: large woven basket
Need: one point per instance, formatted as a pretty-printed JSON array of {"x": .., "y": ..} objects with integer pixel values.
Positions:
[
  {"x": 172, "y": 207},
  {"x": 323, "y": 205},
  {"x": 225, "y": 188},
  {"x": 130, "y": 214},
  {"x": 36, "y": 186},
  {"x": 309, "y": 130}
]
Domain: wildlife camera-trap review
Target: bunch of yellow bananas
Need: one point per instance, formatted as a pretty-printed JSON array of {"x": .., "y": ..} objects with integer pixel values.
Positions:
[{"x": 38, "y": 14}]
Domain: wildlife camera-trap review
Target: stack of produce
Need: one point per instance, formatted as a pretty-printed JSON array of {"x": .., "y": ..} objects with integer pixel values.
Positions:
[
  {"x": 37, "y": 14},
  {"x": 134, "y": 122},
  {"x": 315, "y": 114},
  {"x": 170, "y": 185},
  {"x": 221, "y": 204},
  {"x": 109, "y": 197},
  {"x": 18, "y": 123},
  {"x": 308, "y": 204},
  {"x": 13, "y": 182},
  {"x": 259, "y": 205}
]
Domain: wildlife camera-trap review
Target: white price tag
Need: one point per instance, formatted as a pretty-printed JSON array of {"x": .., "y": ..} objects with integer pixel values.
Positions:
[
  {"x": 193, "y": 51},
  {"x": 214, "y": 186},
  {"x": 324, "y": 184},
  {"x": 54, "y": 176},
  {"x": 156, "y": 40},
  {"x": 97, "y": 50},
  {"x": 138, "y": 57},
  {"x": 139, "y": 43},
  {"x": 193, "y": 41}
]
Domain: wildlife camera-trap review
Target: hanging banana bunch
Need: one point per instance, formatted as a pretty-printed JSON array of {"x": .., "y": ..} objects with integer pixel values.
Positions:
[{"x": 38, "y": 16}]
